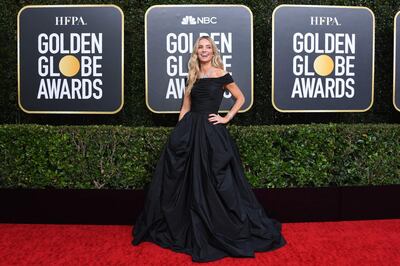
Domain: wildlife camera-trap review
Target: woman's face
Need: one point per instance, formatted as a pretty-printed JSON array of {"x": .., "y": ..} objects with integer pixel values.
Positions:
[{"x": 204, "y": 51}]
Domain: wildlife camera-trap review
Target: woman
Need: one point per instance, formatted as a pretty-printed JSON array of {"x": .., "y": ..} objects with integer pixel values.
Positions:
[{"x": 199, "y": 201}]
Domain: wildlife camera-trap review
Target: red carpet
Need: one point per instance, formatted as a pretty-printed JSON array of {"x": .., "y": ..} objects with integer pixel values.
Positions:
[{"x": 375, "y": 242}]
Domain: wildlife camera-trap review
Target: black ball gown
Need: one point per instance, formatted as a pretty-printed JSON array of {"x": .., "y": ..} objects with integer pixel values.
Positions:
[{"x": 199, "y": 201}]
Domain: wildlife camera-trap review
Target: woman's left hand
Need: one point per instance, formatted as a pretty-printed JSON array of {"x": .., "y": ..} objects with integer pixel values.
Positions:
[{"x": 217, "y": 119}]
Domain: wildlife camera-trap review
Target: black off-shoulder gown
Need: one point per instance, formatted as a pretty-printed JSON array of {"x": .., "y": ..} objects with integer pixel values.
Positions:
[{"x": 199, "y": 201}]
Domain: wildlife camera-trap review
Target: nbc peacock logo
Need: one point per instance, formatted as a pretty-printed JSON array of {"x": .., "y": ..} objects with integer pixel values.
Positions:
[{"x": 188, "y": 20}]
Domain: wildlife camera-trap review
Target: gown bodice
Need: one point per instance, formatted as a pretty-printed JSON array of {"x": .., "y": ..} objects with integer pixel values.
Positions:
[{"x": 207, "y": 93}]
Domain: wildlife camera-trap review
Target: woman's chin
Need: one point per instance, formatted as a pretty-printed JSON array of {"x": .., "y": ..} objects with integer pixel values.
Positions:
[{"x": 204, "y": 60}]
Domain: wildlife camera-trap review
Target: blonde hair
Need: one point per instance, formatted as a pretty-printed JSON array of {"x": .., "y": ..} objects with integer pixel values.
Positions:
[{"x": 194, "y": 63}]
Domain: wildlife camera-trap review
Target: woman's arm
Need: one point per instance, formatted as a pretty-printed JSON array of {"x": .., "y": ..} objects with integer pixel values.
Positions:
[
  {"x": 238, "y": 95},
  {"x": 185, "y": 105}
]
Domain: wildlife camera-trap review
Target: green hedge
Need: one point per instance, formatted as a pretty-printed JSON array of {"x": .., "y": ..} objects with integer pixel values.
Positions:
[
  {"x": 34, "y": 156},
  {"x": 135, "y": 111}
]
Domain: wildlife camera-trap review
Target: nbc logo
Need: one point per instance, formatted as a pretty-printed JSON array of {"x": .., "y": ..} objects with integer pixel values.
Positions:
[{"x": 188, "y": 20}]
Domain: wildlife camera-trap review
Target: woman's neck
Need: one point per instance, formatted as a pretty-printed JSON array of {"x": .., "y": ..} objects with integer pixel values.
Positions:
[{"x": 205, "y": 67}]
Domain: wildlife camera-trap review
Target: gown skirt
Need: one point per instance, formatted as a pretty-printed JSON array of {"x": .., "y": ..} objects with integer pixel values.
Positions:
[{"x": 199, "y": 201}]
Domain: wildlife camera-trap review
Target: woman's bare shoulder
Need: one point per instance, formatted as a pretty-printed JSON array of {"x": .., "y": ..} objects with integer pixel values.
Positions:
[{"x": 219, "y": 73}]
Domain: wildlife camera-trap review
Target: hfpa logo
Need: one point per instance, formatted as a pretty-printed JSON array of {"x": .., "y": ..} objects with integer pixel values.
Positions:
[{"x": 189, "y": 20}]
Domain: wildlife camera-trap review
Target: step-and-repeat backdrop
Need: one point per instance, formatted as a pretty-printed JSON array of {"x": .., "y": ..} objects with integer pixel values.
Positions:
[{"x": 71, "y": 58}]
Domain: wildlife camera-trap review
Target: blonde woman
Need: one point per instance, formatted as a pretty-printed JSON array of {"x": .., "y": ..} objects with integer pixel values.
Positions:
[{"x": 199, "y": 201}]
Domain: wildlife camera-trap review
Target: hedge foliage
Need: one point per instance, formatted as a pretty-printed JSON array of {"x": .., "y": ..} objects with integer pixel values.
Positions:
[
  {"x": 135, "y": 111},
  {"x": 34, "y": 156}
]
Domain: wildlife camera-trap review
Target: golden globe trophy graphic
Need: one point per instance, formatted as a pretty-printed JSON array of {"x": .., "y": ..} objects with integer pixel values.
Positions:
[
  {"x": 323, "y": 65},
  {"x": 323, "y": 61},
  {"x": 70, "y": 59},
  {"x": 69, "y": 65}
]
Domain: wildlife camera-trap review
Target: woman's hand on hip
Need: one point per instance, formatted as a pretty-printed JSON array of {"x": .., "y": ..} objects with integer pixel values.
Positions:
[{"x": 217, "y": 119}]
